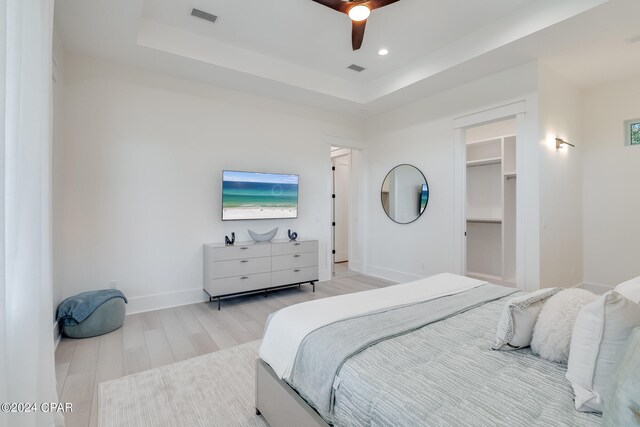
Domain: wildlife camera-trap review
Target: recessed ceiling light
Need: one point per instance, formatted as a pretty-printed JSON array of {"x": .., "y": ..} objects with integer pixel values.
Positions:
[{"x": 383, "y": 52}]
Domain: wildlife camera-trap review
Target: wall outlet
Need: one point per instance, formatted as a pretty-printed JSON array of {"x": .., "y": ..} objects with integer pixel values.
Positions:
[{"x": 113, "y": 284}]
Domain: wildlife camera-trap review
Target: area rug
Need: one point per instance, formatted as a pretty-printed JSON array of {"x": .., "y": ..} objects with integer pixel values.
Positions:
[{"x": 217, "y": 389}]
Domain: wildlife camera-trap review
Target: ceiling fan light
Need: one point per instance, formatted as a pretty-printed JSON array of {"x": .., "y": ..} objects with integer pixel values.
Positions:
[{"x": 359, "y": 13}]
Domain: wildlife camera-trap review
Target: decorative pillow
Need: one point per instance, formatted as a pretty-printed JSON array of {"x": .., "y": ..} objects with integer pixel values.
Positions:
[
  {"x": 622, "y": 407},
  {"x": 552, "y": 332},
  {"x": 515, "y": 327},
  {"x": 599, "y": 337},
  {"x": 630, "y": 289}
]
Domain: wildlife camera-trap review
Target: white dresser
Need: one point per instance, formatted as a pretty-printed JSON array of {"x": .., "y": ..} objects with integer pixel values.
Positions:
[{"x": 248, "y": 267}]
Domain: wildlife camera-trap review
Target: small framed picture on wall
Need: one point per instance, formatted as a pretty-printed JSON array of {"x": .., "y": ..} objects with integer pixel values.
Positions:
[{"x": 632, "y": 132}]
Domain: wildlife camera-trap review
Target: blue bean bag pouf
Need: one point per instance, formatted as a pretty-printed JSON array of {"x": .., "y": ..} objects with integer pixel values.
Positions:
[{"x": 90, "y": 314}]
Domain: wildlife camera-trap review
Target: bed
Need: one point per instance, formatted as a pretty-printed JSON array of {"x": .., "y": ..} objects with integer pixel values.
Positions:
[{"x": 411, "y": 354}]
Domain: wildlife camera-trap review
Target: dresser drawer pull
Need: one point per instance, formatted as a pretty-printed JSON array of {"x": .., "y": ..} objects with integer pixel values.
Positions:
[
  {"x": 296, "y": 271},
  {"x": 244, "y": 277},
  {"x": 244, "y": 260},
  {"x": 297, "y": 256},
  {"x": 296, "y": 244},
  {"x": 244, "y": 248}
]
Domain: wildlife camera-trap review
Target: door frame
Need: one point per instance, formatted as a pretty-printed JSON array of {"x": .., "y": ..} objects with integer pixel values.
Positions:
[
  {"x": 347, "y": 152},
  {"x": 515, "y": 110}
]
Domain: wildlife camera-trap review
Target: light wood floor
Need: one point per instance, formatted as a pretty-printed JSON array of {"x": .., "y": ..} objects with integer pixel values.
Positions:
[{"x": 156, "y": 338}]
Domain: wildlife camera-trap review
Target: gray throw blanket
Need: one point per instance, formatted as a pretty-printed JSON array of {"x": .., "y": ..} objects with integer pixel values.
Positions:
[{"x": 76, "y": 309}]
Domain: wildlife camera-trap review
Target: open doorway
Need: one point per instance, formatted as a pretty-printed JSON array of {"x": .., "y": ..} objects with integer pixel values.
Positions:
[
  {"x": 341, "y": 197},
  {"x": 490, "y": 202}
]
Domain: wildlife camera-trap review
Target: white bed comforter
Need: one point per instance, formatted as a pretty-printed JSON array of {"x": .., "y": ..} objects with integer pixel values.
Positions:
[{"x": 288, "y": 327}]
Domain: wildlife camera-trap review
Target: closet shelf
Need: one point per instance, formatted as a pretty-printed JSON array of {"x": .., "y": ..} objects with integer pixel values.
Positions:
[
  {"x": 486, "y": 220},
  {"x": 487, "y": 161}
]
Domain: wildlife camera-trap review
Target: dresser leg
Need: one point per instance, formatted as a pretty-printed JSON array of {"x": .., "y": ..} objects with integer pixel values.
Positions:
[
  {"x": 314, "y": 286},
  {"x": 265, "y": 293},
  {"x": 218, "y": 304}
]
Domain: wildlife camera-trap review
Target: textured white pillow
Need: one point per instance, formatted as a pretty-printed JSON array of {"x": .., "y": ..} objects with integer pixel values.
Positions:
[
  {"x": 599, "y": 337},
  {"x": 519, "y": 315},
  {"x": 630, "y": 289},
  {"x": 552, "y": 332}
]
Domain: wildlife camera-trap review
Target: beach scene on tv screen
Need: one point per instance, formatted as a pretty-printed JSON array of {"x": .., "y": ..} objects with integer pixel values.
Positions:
[
  {"x": 252, "y": 195},
  {"x": 424, "y": 198}
]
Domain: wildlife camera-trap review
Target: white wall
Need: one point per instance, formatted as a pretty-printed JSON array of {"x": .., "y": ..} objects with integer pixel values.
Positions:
[
  {"x": 611, "y": 203},
  {"x": 138, "y": 177},
  {"x": 143, "y": 155},
  {"x": 560, "y": 182},
  {"x": 422, "y": 134}
]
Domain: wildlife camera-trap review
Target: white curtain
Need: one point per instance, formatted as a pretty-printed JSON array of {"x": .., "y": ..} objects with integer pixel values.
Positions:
[{"x": 26, "y": 316}]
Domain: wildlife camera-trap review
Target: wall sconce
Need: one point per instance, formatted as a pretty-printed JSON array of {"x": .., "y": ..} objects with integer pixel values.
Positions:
[{"x": 560, "y": 142}]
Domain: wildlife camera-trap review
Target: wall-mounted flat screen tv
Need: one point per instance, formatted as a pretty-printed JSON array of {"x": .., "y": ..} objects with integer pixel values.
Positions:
[
  {"x": 424, "y": 198},
  {"x": 256, "y": 195}
]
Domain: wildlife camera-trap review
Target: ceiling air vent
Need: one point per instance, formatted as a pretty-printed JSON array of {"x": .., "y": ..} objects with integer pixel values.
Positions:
[
  {"x": 355, "y": 67},
  {"x": 203, "y": 15}
]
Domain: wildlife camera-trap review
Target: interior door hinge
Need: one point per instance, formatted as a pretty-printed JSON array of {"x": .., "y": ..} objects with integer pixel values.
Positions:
[
  {"x": 333, "y": 252},
  {"x": 333, "y": 168},
  {"x": 333, "y": 223},
  {"x": 333, "y": 196}
]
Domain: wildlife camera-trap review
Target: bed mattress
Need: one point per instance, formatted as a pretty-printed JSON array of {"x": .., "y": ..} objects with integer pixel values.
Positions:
[{"x": 430, "y": 363}]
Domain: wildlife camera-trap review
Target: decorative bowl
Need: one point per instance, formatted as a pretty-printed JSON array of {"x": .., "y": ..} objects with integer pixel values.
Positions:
[{"x": 263, "y": 237}]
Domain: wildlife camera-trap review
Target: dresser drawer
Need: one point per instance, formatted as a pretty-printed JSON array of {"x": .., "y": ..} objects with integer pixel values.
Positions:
[
  {"x": 290, "y": 262},
  {"x": 232, "y": 285},
  {"x": 293, "y": 247},
  {"x": 239, "y": 267},
  {"x": 227, "y": 253},
  {"x": 297, "y": 275}
]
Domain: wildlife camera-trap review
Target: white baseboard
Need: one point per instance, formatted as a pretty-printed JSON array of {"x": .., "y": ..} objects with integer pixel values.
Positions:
[
  {"x": 392, "y": 275},
  {"x": 354, "y": 266},
  {"x": 165, "y": 300},
  {"x": 596, "y": 288},
  {"x": 324, "y": 275}
]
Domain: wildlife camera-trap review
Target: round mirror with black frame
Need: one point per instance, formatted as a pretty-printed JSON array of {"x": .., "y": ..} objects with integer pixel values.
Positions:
[{"x": 404, "y": 194}]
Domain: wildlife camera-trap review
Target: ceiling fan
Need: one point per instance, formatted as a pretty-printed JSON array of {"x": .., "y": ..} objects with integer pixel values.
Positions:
[{"x": 358, "y": 11}]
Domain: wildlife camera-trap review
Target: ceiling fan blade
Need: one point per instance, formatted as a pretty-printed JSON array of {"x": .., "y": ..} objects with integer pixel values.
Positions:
[
  {"x": 357, "y": 34},
  {"x": 377, "y": 4},
  {"x": 338, "y": 5}
]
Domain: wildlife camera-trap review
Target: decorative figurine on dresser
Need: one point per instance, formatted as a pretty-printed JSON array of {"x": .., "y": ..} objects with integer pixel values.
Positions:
[
  {"x": 292, "y": 236},
  {"x": 230, "y": 241},
  {"x": 258, "y": 266}
]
